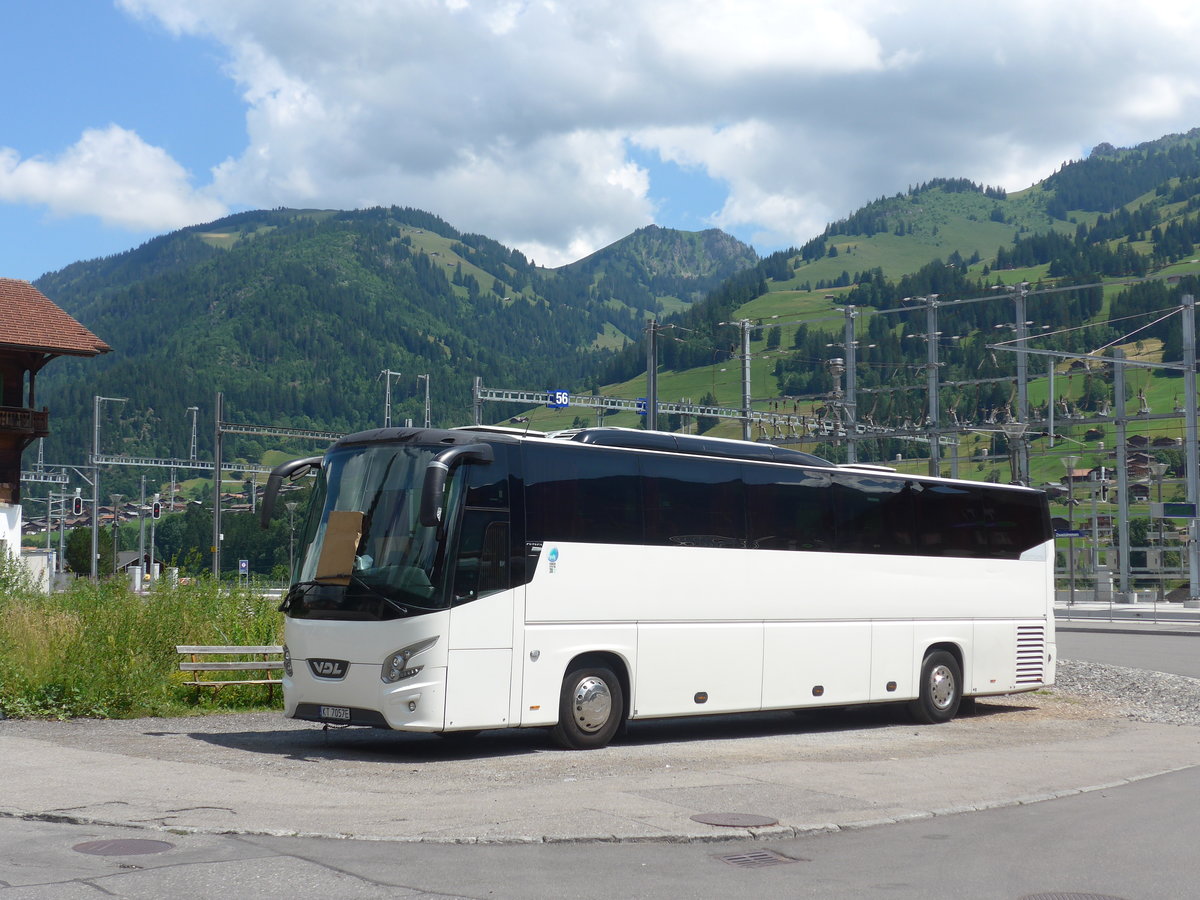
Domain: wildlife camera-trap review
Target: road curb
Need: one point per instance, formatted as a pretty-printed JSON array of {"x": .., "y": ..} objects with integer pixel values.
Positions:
[{"x": 725, "y": 836}]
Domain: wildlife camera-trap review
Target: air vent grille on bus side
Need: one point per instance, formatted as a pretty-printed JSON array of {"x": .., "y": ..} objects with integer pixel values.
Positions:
[{"x": 1031, "y": 654}]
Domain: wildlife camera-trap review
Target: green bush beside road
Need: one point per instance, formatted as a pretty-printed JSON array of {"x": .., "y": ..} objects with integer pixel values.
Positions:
[{"x": 100, "y": 650}]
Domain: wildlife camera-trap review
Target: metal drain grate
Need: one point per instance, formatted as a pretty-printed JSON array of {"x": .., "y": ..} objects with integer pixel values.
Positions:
[{"x": 756, "y": 859}]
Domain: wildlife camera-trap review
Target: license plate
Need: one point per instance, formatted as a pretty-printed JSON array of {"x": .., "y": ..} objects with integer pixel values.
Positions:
[{"x": 338, "y": 713}]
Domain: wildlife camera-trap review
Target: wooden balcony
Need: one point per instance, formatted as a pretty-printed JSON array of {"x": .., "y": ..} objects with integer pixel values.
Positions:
[{"x": 32, "y": 423}]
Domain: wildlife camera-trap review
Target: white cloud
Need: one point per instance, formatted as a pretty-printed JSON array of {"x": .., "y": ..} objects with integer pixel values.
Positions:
[
  {"x": 112, "y": 174},
  {"x": 514, "y": 117}
]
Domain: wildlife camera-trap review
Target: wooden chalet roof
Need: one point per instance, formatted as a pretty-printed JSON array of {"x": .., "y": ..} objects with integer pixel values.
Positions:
[{"x": 29, "y": 320}]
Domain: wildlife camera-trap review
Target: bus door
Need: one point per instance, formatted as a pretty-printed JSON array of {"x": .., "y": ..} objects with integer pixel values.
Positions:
[{"x": 482, "y": 615}]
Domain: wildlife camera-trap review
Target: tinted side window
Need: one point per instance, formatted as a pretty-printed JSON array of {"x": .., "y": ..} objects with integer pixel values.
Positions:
[
  {"x": 873, "y": 514},
  {"x": 962, "y": 520},
  {"x": 788, "y": 509},
  {"x": 581, "y": 493},
  {"x": 693, "y": 502},
  {"x": 487, "y": 483},
  {"x": 481, "y": 565}
]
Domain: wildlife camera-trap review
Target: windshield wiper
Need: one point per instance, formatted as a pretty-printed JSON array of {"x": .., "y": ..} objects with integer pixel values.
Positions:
[
  {"x": 394, "y": 604},
  {"x": 303, "y": 587}
]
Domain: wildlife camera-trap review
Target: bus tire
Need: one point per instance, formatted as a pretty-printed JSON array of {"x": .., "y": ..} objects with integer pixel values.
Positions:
[
  {"x": 941, "y": 689},
  {"x": 590, "y": 708}
]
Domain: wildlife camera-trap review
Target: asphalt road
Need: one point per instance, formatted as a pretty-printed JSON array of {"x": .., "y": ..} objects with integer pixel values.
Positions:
[
  {"x": 1135, "y": 842},
  {"x": 1113, "y": 836},
  {"x": 1178, "y": 654}
]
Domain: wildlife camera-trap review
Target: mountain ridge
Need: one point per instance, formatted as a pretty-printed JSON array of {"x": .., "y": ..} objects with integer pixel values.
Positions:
[{"x": 293, "y": 313}]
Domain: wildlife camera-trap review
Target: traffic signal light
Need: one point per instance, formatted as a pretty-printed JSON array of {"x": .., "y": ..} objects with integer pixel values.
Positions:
[
  {"x": 77, "y": 505},
  {"x": 155, "y": 510}
]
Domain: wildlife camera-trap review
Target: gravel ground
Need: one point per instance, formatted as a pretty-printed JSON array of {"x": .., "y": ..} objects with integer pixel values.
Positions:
[{"x": 1138, "y": 694}]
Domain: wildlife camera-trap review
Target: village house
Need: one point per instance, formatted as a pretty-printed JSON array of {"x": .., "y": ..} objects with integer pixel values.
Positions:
[{"x": 33, "y": 331}]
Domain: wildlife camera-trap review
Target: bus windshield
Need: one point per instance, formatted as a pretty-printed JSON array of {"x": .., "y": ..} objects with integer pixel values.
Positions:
[{"x": 365, "y": 555}]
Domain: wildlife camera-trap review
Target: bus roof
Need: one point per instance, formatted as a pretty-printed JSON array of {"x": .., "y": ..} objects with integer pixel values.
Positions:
[{"x": 636, "y": 439}]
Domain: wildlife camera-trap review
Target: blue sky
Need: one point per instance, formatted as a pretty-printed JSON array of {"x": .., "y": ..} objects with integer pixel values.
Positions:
[
  {"x": 556, "y": 128},
  {"x": 102, "y": 67}
]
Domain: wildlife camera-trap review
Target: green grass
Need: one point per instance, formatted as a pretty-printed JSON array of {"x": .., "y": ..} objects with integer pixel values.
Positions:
[
  {"x": 944, "y": 222},
  {"x": 610, "y": 339},
  {"x": 101, "y": 651}
]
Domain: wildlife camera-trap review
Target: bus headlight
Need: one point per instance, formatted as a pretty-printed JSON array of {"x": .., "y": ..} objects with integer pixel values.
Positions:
[
  {"x": 287, "y": 661},
  {"x": 396, "y": 667}
]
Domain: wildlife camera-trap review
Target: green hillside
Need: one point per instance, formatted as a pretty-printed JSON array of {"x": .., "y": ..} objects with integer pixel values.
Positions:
[
  {"x": 293, "y": 314},
  {"x": 957, "y": 240}
]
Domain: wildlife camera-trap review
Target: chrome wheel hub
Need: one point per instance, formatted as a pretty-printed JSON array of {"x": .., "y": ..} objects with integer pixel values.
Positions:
[
  {"x": 941, "y": 687},
  {"x": 591, "y": 703}
]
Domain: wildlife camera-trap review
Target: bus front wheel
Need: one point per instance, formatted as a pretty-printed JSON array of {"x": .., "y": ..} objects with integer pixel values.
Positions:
[
  {"x": 589, "y": 709},
  {"x": 941, "y": 689}
]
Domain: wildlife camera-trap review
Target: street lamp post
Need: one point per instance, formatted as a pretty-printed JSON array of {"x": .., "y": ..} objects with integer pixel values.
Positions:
[{"x": 1069, "y": 462}]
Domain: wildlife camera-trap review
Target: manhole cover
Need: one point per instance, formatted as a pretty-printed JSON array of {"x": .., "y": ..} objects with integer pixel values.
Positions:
[
  {"x": 123, "y": 847},
  {"x": 1068, "y": 895},
  {"x": 756, "y": 859},
  {"x": 734, "y": 820}
]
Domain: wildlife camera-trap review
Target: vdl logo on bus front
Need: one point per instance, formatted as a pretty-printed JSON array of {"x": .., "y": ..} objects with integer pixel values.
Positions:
[{"x": 328, "y": 668}]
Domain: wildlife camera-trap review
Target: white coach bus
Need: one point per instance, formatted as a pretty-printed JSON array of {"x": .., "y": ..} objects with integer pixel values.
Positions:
[{"x": 485, "y": 578}]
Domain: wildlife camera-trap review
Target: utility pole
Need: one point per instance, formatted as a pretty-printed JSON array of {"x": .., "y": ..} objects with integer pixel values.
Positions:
[
  {"x": 153, "y": 522},
  {"x": 96, "y": 479},
  {"x": 218, "y": 449},
  {"x": 1069, "y": 463},
  {"x": 1157, "y": 471},
  {"x": 116, "y": 508},
  {"x": 142, "y": 529},
  {"x": 652, "y": 375},
  {"x": 1190, "y": 436},
  {"x": 1022, "y": 324},
  {"x": 195, "y": 411},
  {"x": 426, "y": 377},
  {"x": 388, "y": 375},
  {"x": 850, "y": 401},
  {"x": 745, "y": 326},
  {"x": 1122, "y": 468},
  {"x": 1050, "y": 403},
  {"x": 931, "y": 377},
  {"x": 291, "y": 509}
]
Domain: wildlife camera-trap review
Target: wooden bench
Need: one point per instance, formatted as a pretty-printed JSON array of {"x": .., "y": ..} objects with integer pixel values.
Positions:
[{"x": 265, "y": 660}]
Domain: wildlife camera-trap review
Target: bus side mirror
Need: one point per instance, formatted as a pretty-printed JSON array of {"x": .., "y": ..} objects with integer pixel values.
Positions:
[
  {"x": 287, "y": 470},
  {"x": 438, "y": 470}
]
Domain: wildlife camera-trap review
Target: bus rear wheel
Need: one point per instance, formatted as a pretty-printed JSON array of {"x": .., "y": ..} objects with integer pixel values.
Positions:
[
  {"x": 941, "y": 689},
  {"x": 590, "y": 708}
]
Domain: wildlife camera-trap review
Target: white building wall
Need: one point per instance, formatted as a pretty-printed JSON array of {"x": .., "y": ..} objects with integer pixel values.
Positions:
[
  {"x": 10, "y": 529},
  {"x": 40, "y": 564}
]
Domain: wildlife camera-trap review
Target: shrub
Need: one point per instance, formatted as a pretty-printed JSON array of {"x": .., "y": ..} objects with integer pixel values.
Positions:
[{"x": 101, "y": 650}]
